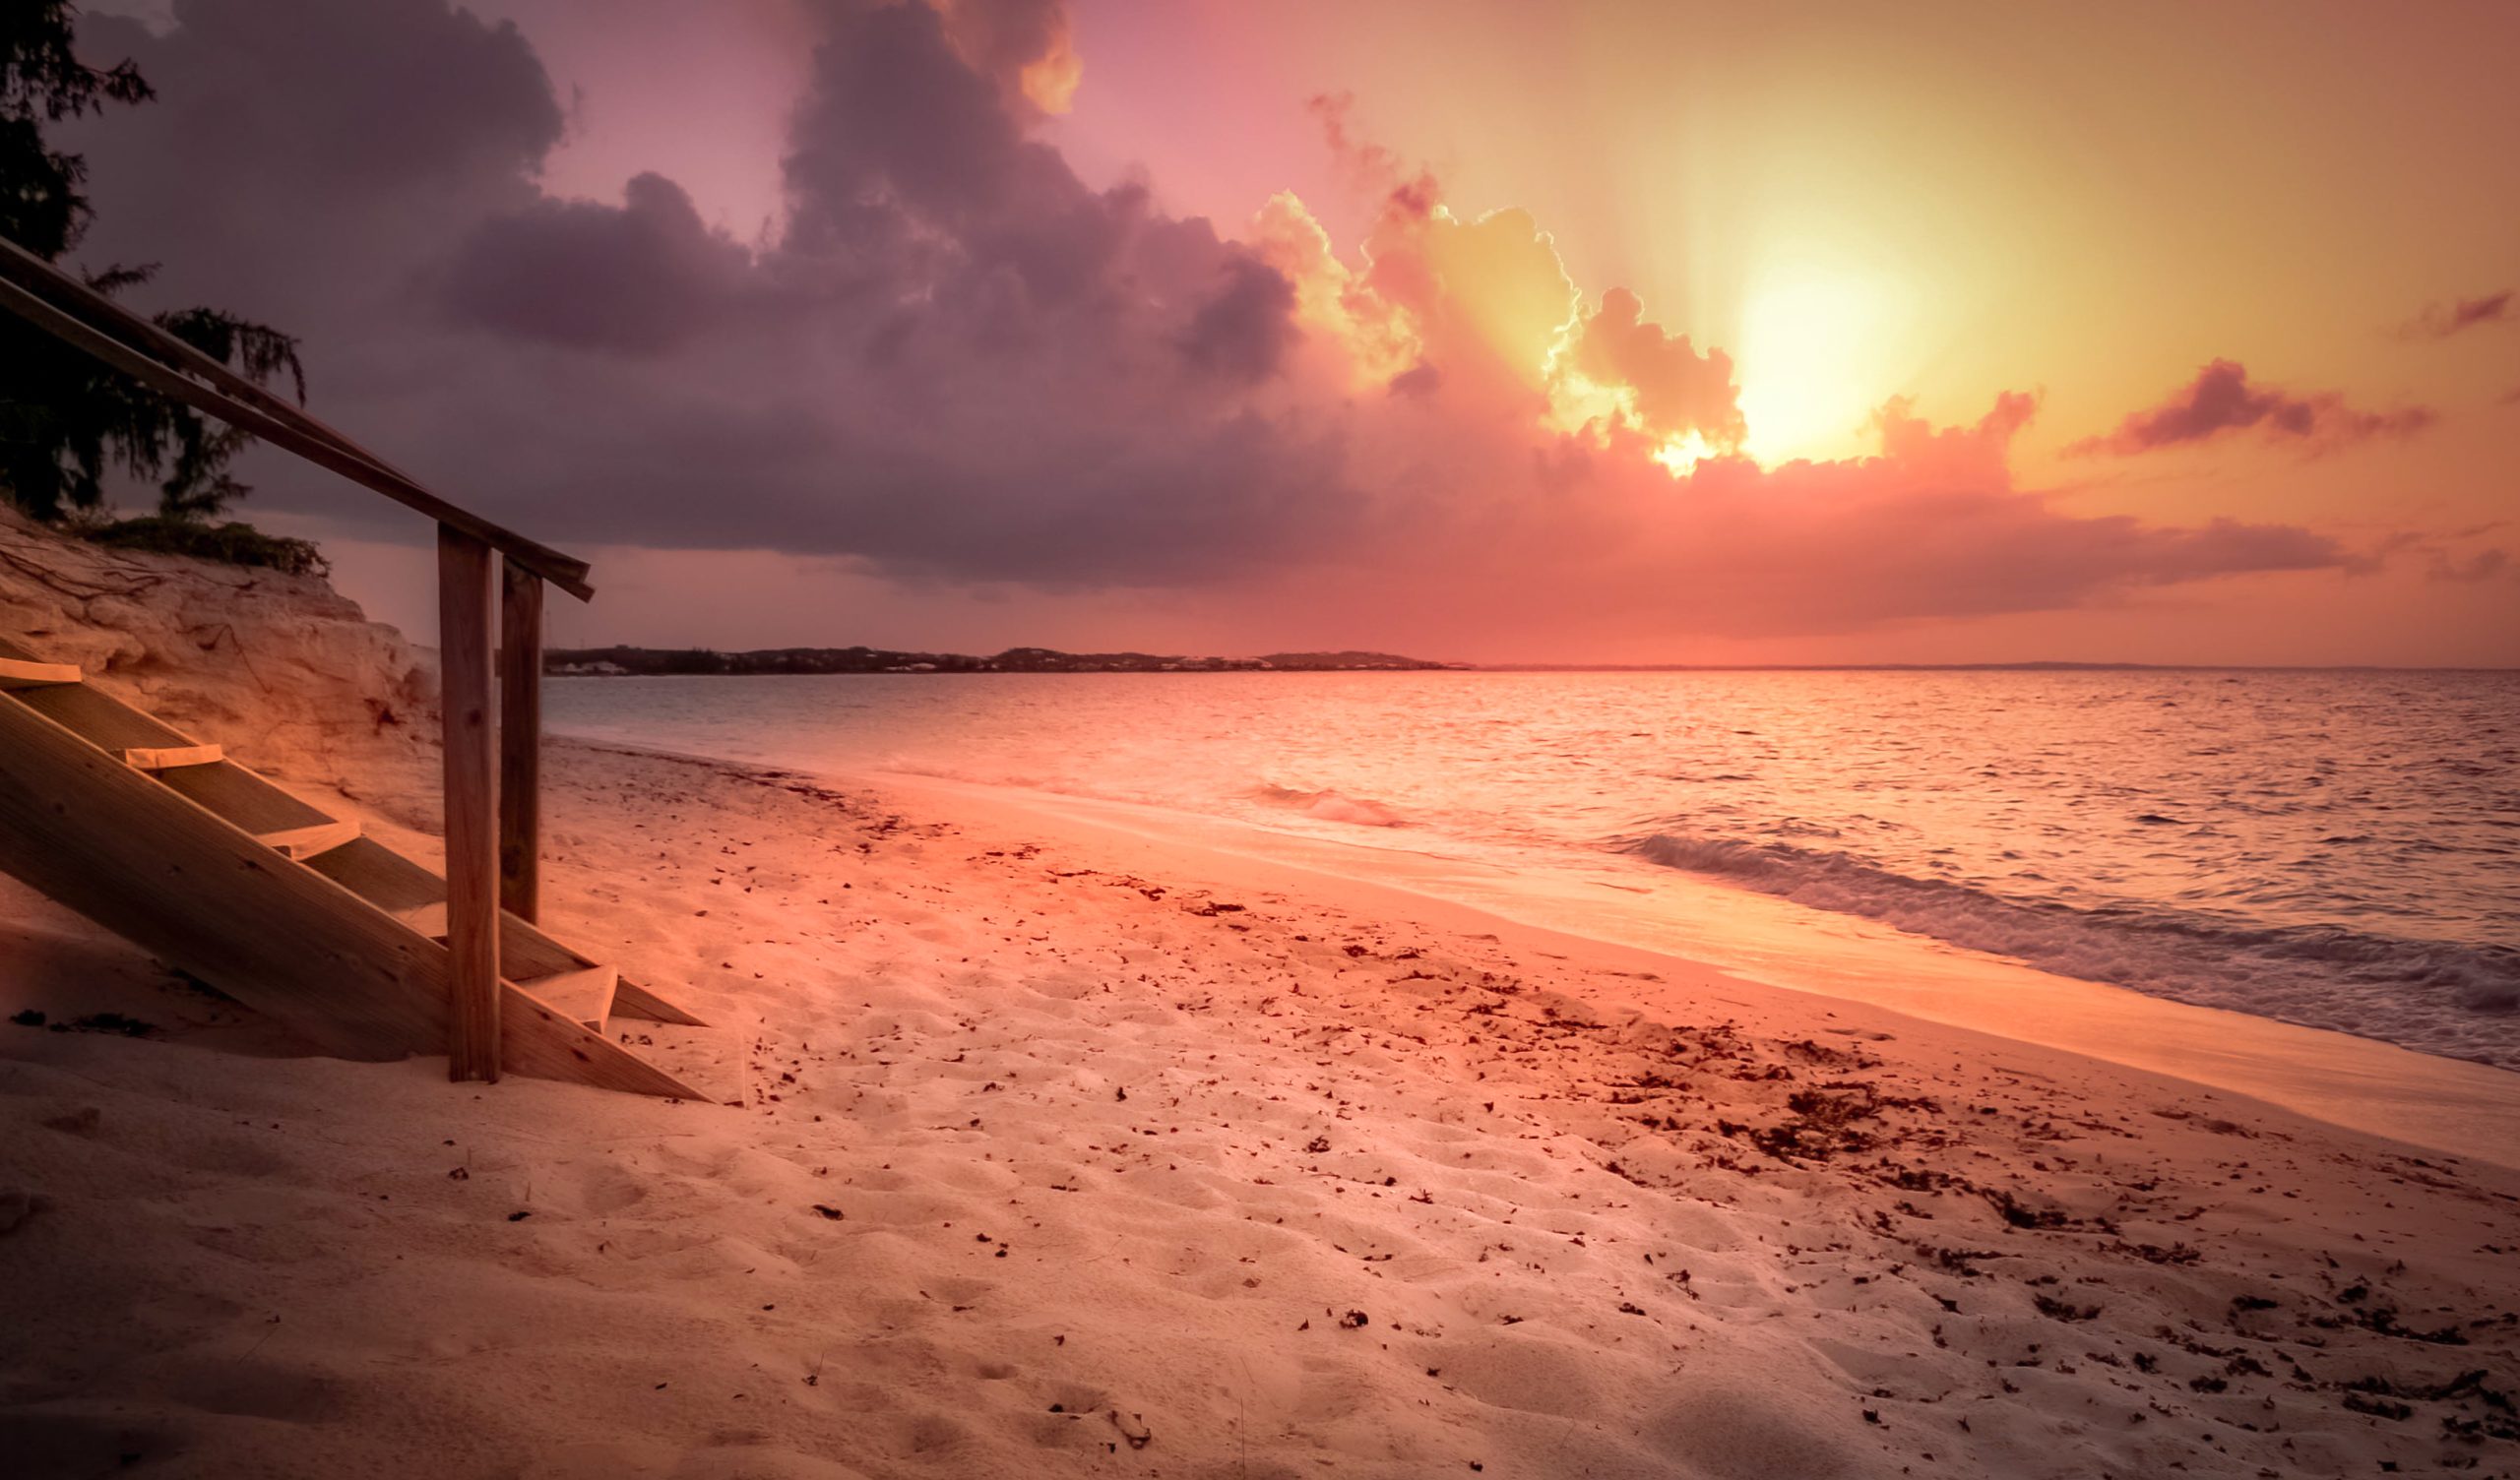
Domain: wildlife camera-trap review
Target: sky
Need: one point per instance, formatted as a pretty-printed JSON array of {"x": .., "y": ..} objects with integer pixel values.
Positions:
[{"x": 1472, "y": 330}]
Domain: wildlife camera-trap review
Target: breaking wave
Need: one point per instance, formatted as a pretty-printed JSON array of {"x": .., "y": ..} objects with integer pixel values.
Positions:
[
  {"x": 2319, "y": 975},
  {"x": 1332, "y": 807}
]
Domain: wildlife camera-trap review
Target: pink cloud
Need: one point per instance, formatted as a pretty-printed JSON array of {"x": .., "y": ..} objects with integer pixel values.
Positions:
[
  {"x": 2439, "y": 321},
  {"x": 2221, "y": 401}
]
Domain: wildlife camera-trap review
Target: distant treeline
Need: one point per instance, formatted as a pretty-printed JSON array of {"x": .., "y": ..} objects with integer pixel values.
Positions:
[{"x": 647, "y": 661}]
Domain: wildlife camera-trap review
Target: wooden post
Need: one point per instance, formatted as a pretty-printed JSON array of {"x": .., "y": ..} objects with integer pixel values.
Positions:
[
  {"x": 520, "y": 743},
  {"x": 464, "y": 599}
]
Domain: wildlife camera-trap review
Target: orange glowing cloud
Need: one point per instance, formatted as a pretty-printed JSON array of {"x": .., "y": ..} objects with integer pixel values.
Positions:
[
  {"x": 1486, "y": 310},
  {"x": 1025, "y": 45}
]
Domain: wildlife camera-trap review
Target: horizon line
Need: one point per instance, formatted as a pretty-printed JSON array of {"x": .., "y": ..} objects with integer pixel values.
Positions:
[{"x": 1587, "y": 666}]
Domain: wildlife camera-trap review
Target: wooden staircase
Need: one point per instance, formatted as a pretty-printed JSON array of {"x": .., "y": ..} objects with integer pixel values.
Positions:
[{"x": 282, "y": 905}]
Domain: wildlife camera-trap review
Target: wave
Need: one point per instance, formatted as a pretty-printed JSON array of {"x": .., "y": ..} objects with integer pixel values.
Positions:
[
  {"x": 1325, "y": 806},
  {"x": 2436, "y": 996},
  {"x": 1332, "y": 807}
]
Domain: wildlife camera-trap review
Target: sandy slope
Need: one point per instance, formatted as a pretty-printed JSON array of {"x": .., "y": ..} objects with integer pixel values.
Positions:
[{"x": 1062, "y": 1160}]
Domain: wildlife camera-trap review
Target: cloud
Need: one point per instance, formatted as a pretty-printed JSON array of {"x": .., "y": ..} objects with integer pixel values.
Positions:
[
  {"x": 642, "y": 277},
  {"x": 955, "y": 362},
  {"x": 2221, "y": 401},
  {"x": 2439, "y": 321},
  {"x": 1672, "y": 388},
  {"x": 1024, "y": 45},
  {"x": 1244, "y": 329},
  {"x": 2481, "y": 565}
]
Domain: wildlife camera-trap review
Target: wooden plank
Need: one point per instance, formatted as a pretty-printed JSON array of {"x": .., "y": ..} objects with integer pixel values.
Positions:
[
  {"x": 99, "y": 718},
  {"x": 308, "y": 843},
  {"x": 79, "y": 316},
  {"x": 521, "y": 742},
  {"x": 20, "y": 673},
  {"x": 415, "y": 894},
  {"x": 472, "y": 805},
  {"x": 428, "y": 919},
  {"x": 200, "y": 772},
  {"x": 172, "y": 757},
  {"x": 203, "y": 895},
  {"x": 244, "y": 798},
  {"x": 382, "y": 877},
  {"x": 585, "y": 993},
  {"x": 544, "y": 1041},
  {"x": 146, "y": 862}
]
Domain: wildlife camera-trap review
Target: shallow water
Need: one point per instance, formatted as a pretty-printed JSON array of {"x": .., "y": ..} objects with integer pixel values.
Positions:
[{"x": 2340, "y": 849}]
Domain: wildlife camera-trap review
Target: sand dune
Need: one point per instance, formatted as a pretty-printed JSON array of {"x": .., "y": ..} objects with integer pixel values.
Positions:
[{"x": 1059, "y": 1163}]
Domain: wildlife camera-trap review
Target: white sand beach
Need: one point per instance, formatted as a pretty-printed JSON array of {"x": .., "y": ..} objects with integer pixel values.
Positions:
[{"x": 1066, "y": 1149}]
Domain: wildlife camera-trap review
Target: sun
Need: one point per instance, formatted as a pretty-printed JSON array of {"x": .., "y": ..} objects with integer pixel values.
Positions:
[
  {"x": 1680, "y": 454},
  {"x": 1816, "y": 345}
]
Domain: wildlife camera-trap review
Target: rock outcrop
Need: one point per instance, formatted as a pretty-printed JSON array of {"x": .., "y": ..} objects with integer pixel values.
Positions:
[{"x": 283, "y": 670}]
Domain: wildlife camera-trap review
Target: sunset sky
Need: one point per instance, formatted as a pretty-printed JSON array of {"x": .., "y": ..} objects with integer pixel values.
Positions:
[{"x": 1463, "y": 328}]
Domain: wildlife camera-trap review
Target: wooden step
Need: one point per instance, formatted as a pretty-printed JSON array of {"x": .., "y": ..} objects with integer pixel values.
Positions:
[
  {"x": 428, "y": 919},
  {"x": 25, "y": 673},
  {"x": 170, "y": 844},
  {"x": 583, "y": 996},
  {"x": 172, "y": 757},
  {"x": 305, "y": 842}
]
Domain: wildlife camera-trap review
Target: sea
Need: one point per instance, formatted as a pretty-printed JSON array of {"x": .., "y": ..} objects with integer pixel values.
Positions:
[{"x": 2339, "y": 849}]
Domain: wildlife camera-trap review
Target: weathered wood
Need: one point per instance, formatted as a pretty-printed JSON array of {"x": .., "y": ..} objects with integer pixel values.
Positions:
[
  {"x": 463, "y": 602},
  {"x": 521, "y": 742},
  {"x": 241, "y": 797},
  {"x": 428, "y": 919},
  {"x": 203, "y": 895},
  {"x": 310, "y": 841},
  {"x": 584, "y": 993},
  {"x": 544, "y": 1041},
  {"x": 416, "y": 896},
  {"x": 171, "y": 757},
  {"x": 82, "y": 317},
  {"x": 322, "y": 945},
  {"x": 99, "y": 718},
  {"x": 19, "y": 673}
]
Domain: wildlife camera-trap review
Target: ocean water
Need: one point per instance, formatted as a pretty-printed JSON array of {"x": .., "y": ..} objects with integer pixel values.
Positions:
[{"x": 2339, "y": 849}]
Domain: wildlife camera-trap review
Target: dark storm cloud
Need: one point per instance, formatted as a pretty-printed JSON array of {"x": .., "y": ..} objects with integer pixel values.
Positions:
[
  {"x": 640, "y": 278},
  {"x": 958, "y": 358},
  {"x": 300, "y": 150},
  {"x": 2221, "y": 401},
  {"x": 1244, "y": 329}
]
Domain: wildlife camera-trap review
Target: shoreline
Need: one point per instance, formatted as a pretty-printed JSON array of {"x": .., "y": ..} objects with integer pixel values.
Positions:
[{"x": 1758, "y": 943}]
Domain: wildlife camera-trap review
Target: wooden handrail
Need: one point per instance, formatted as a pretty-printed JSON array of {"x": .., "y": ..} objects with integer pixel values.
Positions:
[{"x": 79, "y": 315}]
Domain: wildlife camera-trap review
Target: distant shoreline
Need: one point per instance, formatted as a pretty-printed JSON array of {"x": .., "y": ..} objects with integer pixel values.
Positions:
[{"x": 706, "y": 662}]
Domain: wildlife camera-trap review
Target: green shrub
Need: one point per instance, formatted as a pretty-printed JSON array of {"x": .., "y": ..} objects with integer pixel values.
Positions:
[{"x": 232, "y": 543}]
